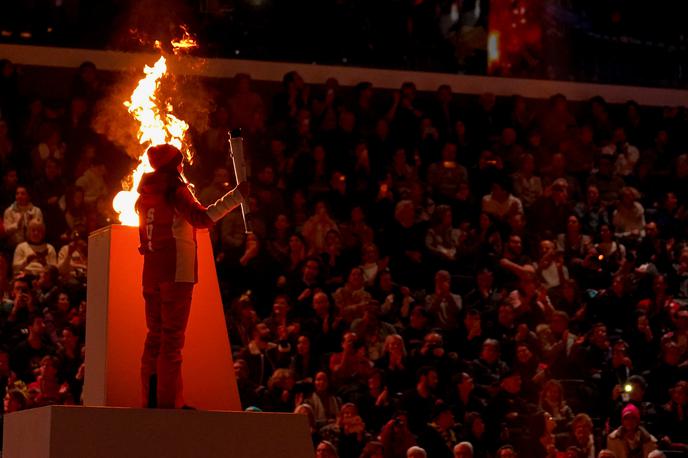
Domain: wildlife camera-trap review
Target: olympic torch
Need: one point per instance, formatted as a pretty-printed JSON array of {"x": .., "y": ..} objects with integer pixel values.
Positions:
[{"x": 236, "y": 153}]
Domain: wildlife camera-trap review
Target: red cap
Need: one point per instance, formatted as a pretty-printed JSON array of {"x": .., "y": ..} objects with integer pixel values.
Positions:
[
  {"x": 160, "y": 155},
  {"x": 630, "y": 409}
]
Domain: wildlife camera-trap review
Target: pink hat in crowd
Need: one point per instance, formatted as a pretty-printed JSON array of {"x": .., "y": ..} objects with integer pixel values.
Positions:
[{"x": 630, "y": 409}]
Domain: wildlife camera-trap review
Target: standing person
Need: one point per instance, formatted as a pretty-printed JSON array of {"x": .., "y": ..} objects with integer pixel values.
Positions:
[{"x": 168, "y": 217}]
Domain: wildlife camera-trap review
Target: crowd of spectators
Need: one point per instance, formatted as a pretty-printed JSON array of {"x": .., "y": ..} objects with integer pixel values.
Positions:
[{"x": 429, "y": 274}]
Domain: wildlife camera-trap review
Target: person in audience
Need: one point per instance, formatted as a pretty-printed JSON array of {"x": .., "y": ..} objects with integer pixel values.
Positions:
[
  {"x": 34, "y": 255},
  {"x": 18, "y": 216}
]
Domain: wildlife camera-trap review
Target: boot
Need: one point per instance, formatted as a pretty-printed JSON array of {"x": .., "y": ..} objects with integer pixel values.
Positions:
[{"x": 153, "y": 392}]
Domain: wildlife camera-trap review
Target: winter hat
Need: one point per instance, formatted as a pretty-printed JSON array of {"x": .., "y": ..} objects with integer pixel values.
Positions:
[
  {"x": 630, "y": 409},
  {"x": 161, "y": 155}
]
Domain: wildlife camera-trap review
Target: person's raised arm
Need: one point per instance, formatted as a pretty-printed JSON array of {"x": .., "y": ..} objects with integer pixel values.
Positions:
[{"x": 198, "y": 215}]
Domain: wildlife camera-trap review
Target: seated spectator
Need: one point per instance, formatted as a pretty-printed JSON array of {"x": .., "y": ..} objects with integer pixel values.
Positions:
[
  {"x": 420, "y": 401},
  {"x": 305, "y": 362},
  {"x": 27, "y": 356},
  {"x": 398, "y": 440},
  {"x": 463, "y": 450},
  {"x": 531, "y": 303},
  {"x": 277, "y": 244},
  {"x": 279, "y": 396},
  {"x": 244, "y": 103},
  {"x": 352, "y": 298},
  {"x": 542, "y": 435},
  {"x": 438, "y": 437},
  {"x": 262, "y": 356},
  {"x": 48, "y": 191},
  {"x": 580, "y": 435},
  {"x": 464, "y": 399},
  {"x": 488, "y": 369},
  {"x": 557, "y": 171},
  {"x": 251, "y": 394},
  {"x": 306, "y": 281},
  {"x": 629, "y": 216},
  {"x": 51, "y": 146},
  {"x": 326, "y": 449},
  {"x": 445, "y": 176},
  {"x": 395, "y": 363},
  {"x": 324, "y": 404},
  {"x": 396, "y": 300},
  {"x": 613, "y": 253},
  {"x": 553, "y": 402},
  {"x": 93, "y": 182},
  {"x": 573, "y": 243},
  {"x": 417, "y": 329},
  {"x": 444, "y": 305},
  {"x": 350, "y": 365},
  {"x": 549, "y": 214},
  {"x": 336, "y": 261},
  {"x": 405, "y": 242},
  {"x": 348, "y": 432},
  {"x": 76, "y": 213},
  {"x": 508, "y": 410},
  {"x": 633, "y": 392},
  {"x": 372, "y": 330},
  {"x": 475, "y": 433},
  {"x": 402, "y": 173},
  {"x": 631, "y": 439},
  {"x": 514, "y": 264},
  {"x": 34, "y": 255},
  {"x": 316, "y": 227},
  {"x": 485, "y": 296},
  {"x": 356, "y": 232},
  {"x": 592, "y": 213},
  {"x": 500, "y": 203},
  {"x": 217, "y": 187},
  {"x": 550, "y": 268},
  {"x": 626, "y": 154},
  {"x": 606, "y": 181},
  {"x": 325, "y": 326},
  {"x": 72, "y": 259},
  {"x": 307, "y": 411},
  {"x": 527, "y": 186},
  {"x": 18, "y": 216},
  {"x": 442, "y": 240},
  {"x": 674, "y": 417},
  {"x": 371, "y": 264},
  {"x": 48, "y": 389}
]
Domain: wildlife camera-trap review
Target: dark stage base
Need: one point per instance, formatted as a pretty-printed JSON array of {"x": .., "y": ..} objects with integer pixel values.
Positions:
[{"x": 107, "y": 432}]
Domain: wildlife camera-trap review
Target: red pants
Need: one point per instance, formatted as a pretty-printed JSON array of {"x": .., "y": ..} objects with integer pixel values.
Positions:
[{"x": 167, "y": 313}]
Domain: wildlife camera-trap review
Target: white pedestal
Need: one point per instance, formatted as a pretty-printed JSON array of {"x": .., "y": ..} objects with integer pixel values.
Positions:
[{"x": 116, "y": 329}]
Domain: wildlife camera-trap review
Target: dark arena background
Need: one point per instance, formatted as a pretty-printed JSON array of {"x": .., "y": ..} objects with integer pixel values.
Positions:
[{"x": 469, "y": 217}]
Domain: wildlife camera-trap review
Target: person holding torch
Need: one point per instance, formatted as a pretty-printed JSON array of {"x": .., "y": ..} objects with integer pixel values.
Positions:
[{"x": 169, "y": 215}]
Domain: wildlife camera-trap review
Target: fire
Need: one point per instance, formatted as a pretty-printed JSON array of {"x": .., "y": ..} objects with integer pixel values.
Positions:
[
  {"x": 186, "y": 42},
  {"x": 157, "y": 125}
]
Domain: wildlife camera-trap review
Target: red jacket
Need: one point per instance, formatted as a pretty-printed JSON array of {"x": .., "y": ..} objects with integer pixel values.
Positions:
[{"x": 168, "y": 217}]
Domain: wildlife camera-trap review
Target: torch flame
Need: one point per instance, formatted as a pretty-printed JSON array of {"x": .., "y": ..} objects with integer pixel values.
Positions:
[{"x": 157, "y": 126}]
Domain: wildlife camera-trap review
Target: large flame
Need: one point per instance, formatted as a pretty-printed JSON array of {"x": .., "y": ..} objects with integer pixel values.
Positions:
[{"x": 157, "y": 126}]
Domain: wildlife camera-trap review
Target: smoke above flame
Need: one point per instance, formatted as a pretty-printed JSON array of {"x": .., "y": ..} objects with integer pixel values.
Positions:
[{"x": 157, "y": 125}]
